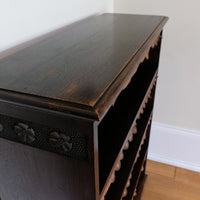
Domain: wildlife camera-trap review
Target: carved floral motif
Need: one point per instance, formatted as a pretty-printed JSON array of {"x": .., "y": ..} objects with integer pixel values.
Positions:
[
  {"x": 24, "y": 133},
  {"x": 60, "y": 141}
]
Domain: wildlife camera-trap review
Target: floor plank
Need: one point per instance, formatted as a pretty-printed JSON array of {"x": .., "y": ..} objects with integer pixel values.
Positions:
[
  {"x": 166, "y": 182},
  {"x": 160, "y": 168},
  {"x": 188, "y": 177}
]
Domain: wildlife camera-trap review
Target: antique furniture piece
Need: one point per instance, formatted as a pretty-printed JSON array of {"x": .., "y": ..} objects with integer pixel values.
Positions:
[{"x": 76, "y": 110}]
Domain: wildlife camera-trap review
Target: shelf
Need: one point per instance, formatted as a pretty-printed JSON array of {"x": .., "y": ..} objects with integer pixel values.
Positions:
[
  {"x": 140, "y": 187},
  {"x": 131, "y": 190},
  {"x": 130, "y": 157},
  {"x": 120, "y": 119}
]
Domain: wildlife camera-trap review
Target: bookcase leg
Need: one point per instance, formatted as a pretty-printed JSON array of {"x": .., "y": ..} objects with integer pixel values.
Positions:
[{"x": 140, "y": 186}]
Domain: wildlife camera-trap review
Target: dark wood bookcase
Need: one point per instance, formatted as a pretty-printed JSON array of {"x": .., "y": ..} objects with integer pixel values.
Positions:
[{"x": 76, "y": 110}]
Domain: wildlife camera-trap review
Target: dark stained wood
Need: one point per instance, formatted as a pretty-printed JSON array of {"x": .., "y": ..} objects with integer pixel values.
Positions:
[
  {"x": 80, "y": 103},
  {"x": 28, "y": 43},
  {"x": 72, "y": 70},
  {"x": 28, "y": 173},
  {"x": 131, "y": 68},
  {"x": 140, "y": 187}
]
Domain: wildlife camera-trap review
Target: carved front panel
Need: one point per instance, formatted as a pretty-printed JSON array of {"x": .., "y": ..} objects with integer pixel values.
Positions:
[{"x": 69, "y": 142}]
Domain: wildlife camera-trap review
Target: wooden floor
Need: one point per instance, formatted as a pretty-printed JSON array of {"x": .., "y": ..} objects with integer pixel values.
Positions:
[{"x": 166, "y": 182}]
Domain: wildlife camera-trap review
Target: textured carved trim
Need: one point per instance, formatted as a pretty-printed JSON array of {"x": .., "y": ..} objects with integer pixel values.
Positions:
[
  {"x": 65, "y": 142},
  {"x": 144, "y": 56},
  {"x": 136, "y": 159},
  {"x": 24, "y": 133},
  {"x": 60, "y": 141},
  {"x": 147, "y": 97},
  {"x": 135, "y": 193},
  {"x": 140, "y": 112},
  {"x": 156, "y": 41},
  {"x": 146, "y": 53}
]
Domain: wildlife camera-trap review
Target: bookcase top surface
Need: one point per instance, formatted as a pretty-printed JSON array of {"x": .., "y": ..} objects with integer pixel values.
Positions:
[{"x": 74, "y": 68}]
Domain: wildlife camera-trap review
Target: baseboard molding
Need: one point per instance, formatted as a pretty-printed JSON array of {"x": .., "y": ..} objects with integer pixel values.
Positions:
[{"x": 175, "y": 146}]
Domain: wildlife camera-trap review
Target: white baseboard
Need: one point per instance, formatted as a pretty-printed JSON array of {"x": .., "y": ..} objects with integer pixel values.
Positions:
[{"x": 175, "y": 146}]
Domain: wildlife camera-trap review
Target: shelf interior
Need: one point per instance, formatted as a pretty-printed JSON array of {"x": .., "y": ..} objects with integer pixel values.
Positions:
[
  {"x": 137, "y": 172},
  {"x": 121, "y": 177},
  {"x": 114, "y": 127}
]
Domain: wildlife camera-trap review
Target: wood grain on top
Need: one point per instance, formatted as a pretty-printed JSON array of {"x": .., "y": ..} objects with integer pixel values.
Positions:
[{"x": 78, "y": 64}]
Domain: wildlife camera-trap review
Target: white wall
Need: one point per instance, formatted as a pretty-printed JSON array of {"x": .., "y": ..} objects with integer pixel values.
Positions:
[
  {"x": 175, "y": 136},
  {"x": 23, "y": 20},
  {"x": 178, "y": 92}
]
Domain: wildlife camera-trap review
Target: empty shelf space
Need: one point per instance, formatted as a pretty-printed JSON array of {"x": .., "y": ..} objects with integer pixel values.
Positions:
[
  {"x": 130, "y": 166},
  {"x": 129, "y": 156},
  {"x": 131, "y": 191},
  {"x": 113, "y": 129}
]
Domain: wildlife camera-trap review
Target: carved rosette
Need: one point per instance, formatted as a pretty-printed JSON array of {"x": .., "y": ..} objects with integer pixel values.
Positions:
[
  {"x": 66, "y": 142},
  {"x": 24, "y": 133},
  {"x": 60, "y": 141}
]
